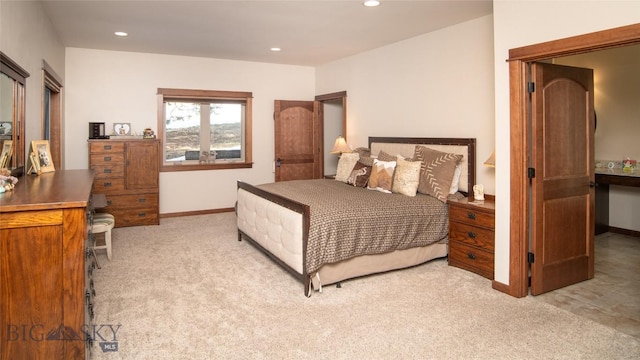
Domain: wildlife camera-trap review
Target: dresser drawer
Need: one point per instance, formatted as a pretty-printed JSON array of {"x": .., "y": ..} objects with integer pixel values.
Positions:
[
  {"x": 106, "y": 159},
  {"x": 103, "y": 186},
  {"x": 472, "y": 235},
  {"x": 131, "y": 201},
  {"x": 106, "y": 147},
  {"x": 472, "y": 216},
  {"x": 134, "y": 217},
  {"x": 471, "y": 258},
  {"x": 108, "y": 171}
]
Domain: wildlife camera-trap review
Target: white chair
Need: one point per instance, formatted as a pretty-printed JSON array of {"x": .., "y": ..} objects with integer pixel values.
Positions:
[{"x": 103, "y": 223}]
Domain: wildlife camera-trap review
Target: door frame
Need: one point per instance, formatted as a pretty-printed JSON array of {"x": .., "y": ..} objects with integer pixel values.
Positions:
[
  {"x": 519, "y": 136},
  {"x": 342, "y": 96}
]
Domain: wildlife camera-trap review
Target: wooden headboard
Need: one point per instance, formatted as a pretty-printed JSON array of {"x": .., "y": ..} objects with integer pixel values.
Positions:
[{"x": 405, "y": 146}]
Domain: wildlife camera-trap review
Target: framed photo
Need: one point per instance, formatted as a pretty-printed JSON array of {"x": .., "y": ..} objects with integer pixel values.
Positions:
[
  {"x": 43, "y": 154},
  {"x": 5, "y": 156},
  {"x": 35, "y": 164},
  {"x": 5, "y": 128},
  {"x": 122, "y": 128}
]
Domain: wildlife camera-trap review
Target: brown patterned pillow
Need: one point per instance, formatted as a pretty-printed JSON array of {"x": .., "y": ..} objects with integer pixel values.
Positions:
[
  {"x": 381, "y": 175},
  {"x": 406, "y": 177},
  {"x": 359, "y": 175},
  {"x": 383, "y": 156},
  {"x": 366, "y": 160},
  {"x": 437, "y": 171},
  {"x": 362, "y": 151}
]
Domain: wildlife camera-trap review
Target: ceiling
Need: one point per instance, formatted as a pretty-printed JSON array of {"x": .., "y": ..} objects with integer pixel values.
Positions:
[{"x": 310, "y": 33}]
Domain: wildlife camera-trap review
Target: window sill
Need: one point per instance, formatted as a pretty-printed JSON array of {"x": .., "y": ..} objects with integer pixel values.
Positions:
[{"x": 200, "y": 167}]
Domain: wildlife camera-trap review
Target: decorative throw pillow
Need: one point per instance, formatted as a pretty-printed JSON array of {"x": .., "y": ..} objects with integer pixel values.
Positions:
[
  {"x": 381, "y": 177},
  {"x": 359, "y": 175},
  {"x": 406, "y": 177},
  {"x": 456, "y": 180},
  {"x": 437, "y": 169},
  {"x": 345, "y": 165},
  {"x": 362, "y": 151},
  {"x": 366, "y": 160},
  {"x": 383, "y": 156}
]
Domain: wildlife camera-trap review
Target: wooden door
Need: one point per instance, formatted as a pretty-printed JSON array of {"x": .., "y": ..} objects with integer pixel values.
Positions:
[
  {"x": 562, "y": 157},
  {"x": 298, "y": 135},
  {"x": 141, "y": 164}
]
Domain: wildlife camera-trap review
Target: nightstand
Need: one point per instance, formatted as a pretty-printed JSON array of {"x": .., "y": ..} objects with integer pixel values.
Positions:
[{"x": 471, "y": 235}]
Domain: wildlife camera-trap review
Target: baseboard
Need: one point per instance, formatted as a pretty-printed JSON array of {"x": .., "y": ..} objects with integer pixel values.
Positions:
[
  {"x": 198, "y": 212},
  {"x": 624, "y": 231}
]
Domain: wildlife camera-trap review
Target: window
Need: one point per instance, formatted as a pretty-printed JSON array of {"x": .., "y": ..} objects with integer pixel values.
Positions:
[{"x": 202, "y": 129}]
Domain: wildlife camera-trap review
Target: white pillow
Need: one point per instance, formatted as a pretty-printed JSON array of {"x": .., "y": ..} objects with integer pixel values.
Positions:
[
  {"x": 406, "y": 177},
  {"x": 345, "y": 166},
  {"x": 456, "y": 180}
]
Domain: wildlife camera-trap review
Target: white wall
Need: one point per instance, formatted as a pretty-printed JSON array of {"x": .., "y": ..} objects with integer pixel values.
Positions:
[
  {"x": 522, "y": 23},
  {"x": 27, "y": 37},
  {"x": 438, "y": 84},
  {"x": 616, "y": 74},
  {"x": 111, "y": 86}
]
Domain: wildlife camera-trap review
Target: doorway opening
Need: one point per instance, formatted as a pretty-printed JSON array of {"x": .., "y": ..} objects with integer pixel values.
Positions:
[{"x": 518, "y": 59}]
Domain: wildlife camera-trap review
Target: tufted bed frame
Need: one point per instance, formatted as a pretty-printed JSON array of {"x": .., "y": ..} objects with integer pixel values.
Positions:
[{"x": 286, "y": 241}]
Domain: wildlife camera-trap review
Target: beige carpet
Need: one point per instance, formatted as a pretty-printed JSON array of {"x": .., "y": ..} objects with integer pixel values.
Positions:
[{"x": 187, "y": 289}]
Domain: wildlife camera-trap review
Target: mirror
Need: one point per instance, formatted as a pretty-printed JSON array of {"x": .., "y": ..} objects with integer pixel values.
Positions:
[{"x": 12, "y": 108}]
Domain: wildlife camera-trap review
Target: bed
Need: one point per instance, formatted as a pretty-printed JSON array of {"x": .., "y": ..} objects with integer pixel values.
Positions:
[{"x": 325, "y": 231}]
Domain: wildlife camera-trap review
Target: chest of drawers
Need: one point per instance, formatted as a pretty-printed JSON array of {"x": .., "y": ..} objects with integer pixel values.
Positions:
[
  {"x": 471, "y": 235},
  {"x": 126, "y": 172}
]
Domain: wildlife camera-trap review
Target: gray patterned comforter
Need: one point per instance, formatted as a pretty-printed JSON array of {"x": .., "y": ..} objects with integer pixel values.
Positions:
[{"x": 348, "y": 221}]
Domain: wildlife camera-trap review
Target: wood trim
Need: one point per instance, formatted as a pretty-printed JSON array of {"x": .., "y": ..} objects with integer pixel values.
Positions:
[
  {"x": 616, "y": 230},
  {"x": 203, "y": 94},
  {"x": 197, "y": 212},
  {"x": 518, "y": 242},
  {"x": 12, "y": 69},
  {"x": 616, "y": 37},
  {"x": 332, "y": 96}
]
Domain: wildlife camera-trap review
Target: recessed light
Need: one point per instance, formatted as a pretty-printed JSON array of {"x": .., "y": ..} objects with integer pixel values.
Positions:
[
  {"x": 371, "y": 3},
  {"x": 121, "y": 33},
  {"x": 275, "y": 49}
]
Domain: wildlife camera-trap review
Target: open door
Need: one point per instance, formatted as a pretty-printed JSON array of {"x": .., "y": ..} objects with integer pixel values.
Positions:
[
  {"x": 562, "y": 176},
  {"x": 298, "y": 134}
]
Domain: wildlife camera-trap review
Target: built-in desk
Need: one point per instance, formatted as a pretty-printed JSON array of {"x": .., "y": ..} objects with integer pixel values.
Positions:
[{"x": 604, "y": 178}]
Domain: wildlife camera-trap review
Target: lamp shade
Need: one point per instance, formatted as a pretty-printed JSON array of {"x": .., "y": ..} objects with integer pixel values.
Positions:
[
  {"x": 340, "y": 146},
  {"x": 491, "y": 161}
]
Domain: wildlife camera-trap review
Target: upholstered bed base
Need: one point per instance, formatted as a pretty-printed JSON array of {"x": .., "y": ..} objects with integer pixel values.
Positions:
[{"x": 278, "y": 230}]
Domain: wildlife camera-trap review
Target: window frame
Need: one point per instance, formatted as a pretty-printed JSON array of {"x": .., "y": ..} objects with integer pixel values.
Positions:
[{"x": 199, "y": 96}]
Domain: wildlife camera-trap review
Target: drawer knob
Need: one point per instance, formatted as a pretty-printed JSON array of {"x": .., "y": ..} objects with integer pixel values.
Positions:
[
  {"x": 142, "y": 214},
  {"x": 107, "y": 158},
  {"x": 471, "y": 216},
  {"x": 107, "y": 171},
  {"x": 108, "y": 202},
  {"x": 107, "y": 147},
  {"x": 471, "y": 256},
  {"x": 142, "y": 200},
  {"x": 471, "y": 234},
  {"x": 107, "y": 184}
]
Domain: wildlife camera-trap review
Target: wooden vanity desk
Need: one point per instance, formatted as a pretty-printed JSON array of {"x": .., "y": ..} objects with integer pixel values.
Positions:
[{"x": 604, "y": 178}]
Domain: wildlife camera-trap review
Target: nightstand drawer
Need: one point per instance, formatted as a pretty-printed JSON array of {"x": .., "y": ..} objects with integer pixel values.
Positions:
[
  {"x": 472, "y": 216},
  {"x": 471, "y": 258},
  {"x": 472, "y": 235}
]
